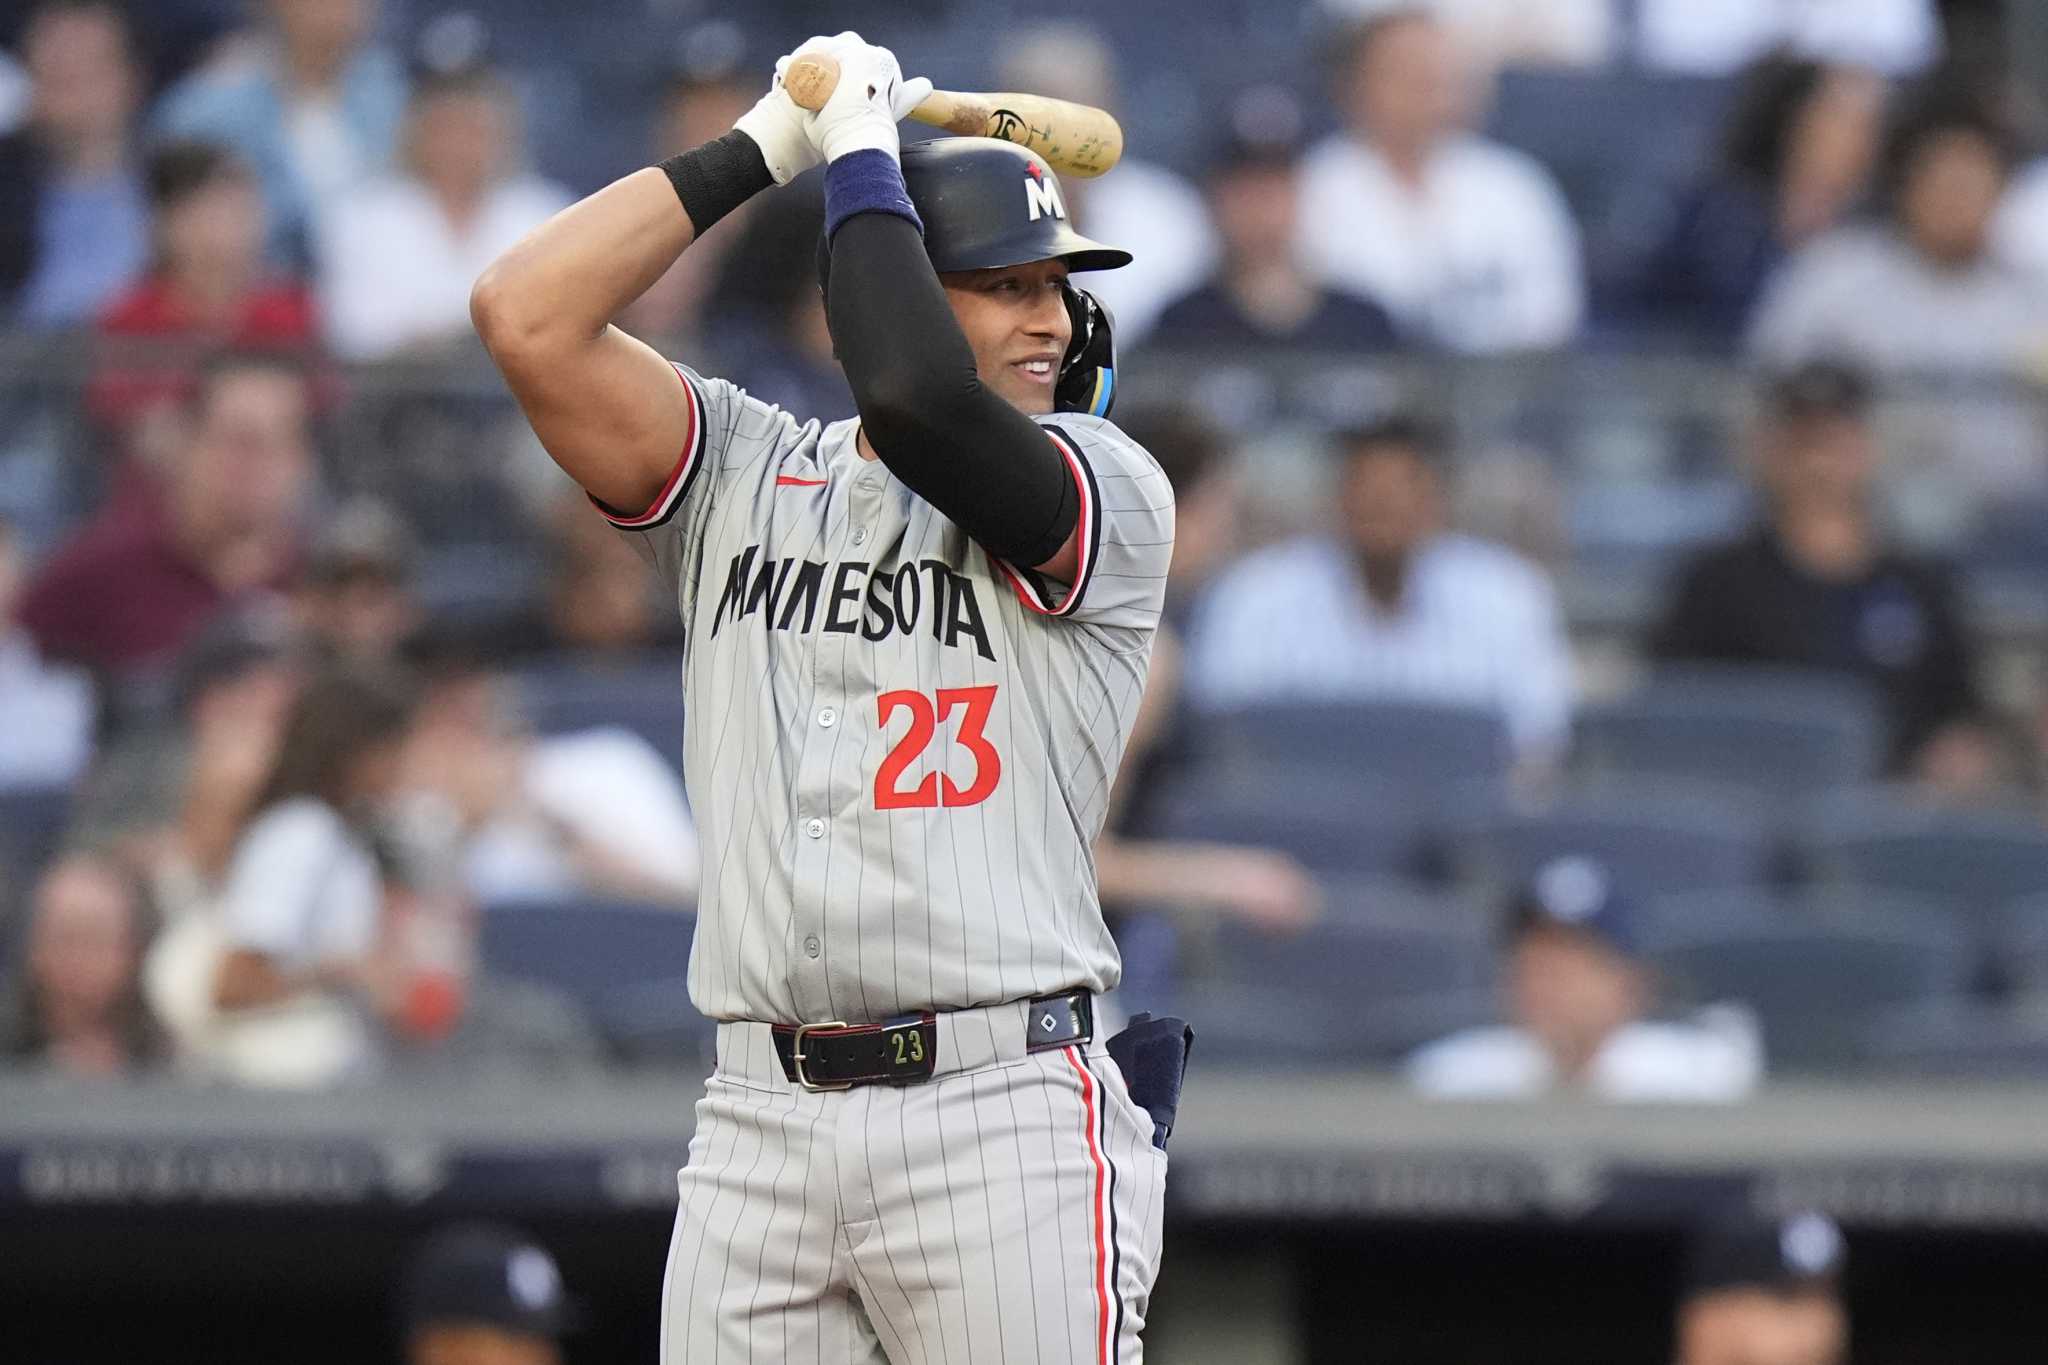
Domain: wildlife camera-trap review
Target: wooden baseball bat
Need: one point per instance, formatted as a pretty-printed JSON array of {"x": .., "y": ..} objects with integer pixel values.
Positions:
[{"x": 1074, "y": 139}]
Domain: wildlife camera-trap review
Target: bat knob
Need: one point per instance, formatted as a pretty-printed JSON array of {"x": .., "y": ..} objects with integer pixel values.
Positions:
[{"x": 811, "y": 79}]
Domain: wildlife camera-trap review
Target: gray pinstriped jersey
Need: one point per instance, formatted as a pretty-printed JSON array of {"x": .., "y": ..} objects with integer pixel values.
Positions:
[{"x": 898, "y": 749}]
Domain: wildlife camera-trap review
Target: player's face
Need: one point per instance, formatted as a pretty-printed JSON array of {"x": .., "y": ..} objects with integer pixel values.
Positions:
[
  {"x": 1757, "y": 1327},
  {"x": 1015, "y": 319}
]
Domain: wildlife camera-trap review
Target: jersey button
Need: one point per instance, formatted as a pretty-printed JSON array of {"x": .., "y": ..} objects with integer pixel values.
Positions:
[
  {"x": 860, "y": 535},
  {"x": 828, "y": 718},
  {"x": 811, "y": 946},
  {"x": 815, "y": 827}
]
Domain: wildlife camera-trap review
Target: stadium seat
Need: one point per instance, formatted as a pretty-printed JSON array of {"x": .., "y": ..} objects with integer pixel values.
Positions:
[
  {"x": 1396, "y": 743},
  {"x": 32, "y": 821},
  {"x": 1654, "y": 838},
  {"x": 644, "y": 695},
  {"x": 1815, "y": 976},
  {"x": 1975, "y": 862},
  {"x": 2019, "y": 939},
  {"x": 612, "y": 958},
  {"x": 1335, "y": 826},
  {"x": 1306, "y": 996},
  {"x": 1779, "y": 733},
  {"x": 1953, "y": 1039}
]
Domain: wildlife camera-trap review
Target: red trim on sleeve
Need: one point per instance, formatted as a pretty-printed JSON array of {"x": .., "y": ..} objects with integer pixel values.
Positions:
[
  {"x": 679, "y": 479},
  {"x": 1084, "y": 532}
]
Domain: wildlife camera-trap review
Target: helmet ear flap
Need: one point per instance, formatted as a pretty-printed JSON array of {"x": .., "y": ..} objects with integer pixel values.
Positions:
[{"x": 1087, "y": 381}]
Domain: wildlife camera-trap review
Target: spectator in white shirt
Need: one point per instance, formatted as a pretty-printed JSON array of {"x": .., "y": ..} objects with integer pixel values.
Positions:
[
  {"x": 1390, "y": 605},
  {"x": 1898, "y": 37},
  {"x": 302, "y": 907},
  {"x": 1921, "y": 296},
  {"x": 397, "y": 259},
  {"x": 46, "y": 712},
  {"x": 1517, "y": 33},
  {"x": 1469, "y": 244},
  {"x": 1577, "y": 999},
  {"x": 1143, "y": 200}
]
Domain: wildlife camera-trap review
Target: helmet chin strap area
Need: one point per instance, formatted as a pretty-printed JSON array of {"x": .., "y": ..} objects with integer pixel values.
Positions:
[{"x": 1087, "y": 381}]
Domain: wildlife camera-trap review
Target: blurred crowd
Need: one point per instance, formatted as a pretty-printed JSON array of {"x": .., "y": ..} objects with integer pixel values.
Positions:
[{"x": 264, "y": 777}]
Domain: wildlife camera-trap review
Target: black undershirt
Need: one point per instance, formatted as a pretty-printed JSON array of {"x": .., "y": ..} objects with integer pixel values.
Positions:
[{"x": 954, "y": 441}]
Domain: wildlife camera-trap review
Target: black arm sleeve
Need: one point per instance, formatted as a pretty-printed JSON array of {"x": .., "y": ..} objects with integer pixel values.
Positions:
[{"x": 957, "y": 444}]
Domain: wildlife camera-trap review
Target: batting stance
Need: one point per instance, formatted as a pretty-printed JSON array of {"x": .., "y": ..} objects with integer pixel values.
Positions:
[{"x": 916, "y": 643}]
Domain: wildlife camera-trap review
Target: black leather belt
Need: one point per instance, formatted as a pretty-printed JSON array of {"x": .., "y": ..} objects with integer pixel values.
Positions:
[{"x": 905, "y": 1050}]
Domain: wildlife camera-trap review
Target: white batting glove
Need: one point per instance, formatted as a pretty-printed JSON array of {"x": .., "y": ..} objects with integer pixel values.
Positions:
[
  {"x": 871, "y": 97},
  {"x": 777, "y": 126}
]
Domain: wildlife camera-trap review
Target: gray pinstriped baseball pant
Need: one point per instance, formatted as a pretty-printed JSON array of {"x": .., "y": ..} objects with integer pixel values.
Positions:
[{"x": 1007, "y": 1210}]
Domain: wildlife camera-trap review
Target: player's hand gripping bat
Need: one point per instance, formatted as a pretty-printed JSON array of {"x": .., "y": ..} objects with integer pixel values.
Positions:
[{"x": 1074, "y": 139}]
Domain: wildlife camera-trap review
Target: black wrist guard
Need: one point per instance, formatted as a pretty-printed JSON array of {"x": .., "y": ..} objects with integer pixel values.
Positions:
[{"x": 718, "y": 177}]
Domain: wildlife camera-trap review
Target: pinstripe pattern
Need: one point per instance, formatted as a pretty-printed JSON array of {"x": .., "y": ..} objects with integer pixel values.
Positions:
[
  {"x": 817, "y": 903},
  {"x": 1006, "y": 1211}
]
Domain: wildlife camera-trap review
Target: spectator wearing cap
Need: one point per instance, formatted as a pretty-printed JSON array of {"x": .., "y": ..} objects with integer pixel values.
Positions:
[
  {"x": 207, "y": 287},
  {"x": 1390, "y": 604},
  {"x": 357, "y": 603},
  {"x": 1796, "y": 158},
  {"x": 46, "y": 711},
  {"x": 311, "y": 103},
  {"x": 483, "y": 1294},
  {"x": 1816, "y": 583},
  {"x": 73, "y": 224},
  {"x": 1578, "y": 999},
  {"x": 398, "y": 257},
  {"x": 1260, "y": 295},
  {"x": 1468, "y": 244},
  {"x": 222, "y": 522},
  {"x": 1764, "y": 1292},
  {"x": 77, "y": 1007},
  {"x": 1919, "y": 295},
  {"x": 711, "y": 81},
  {"x": 1142, "y": 202}
]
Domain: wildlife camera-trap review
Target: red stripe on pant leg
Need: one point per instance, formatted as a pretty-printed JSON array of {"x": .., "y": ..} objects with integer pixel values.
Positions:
[{"x": 1103, "y": 1349}]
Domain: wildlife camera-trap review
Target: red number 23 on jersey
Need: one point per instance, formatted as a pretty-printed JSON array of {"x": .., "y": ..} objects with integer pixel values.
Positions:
[{"x": 938, "y": 788}]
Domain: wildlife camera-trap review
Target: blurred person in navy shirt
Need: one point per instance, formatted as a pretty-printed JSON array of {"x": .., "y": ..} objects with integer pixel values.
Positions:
[
  {"x": 1260, "y": 294},
  {"x": 1817, "y": 583},
  {"x": 78, "y": 1006},
  {"x": 144, "y": 576},
  {"x": 74, "y": 226},
  {"x": 1796, "y": 159}
]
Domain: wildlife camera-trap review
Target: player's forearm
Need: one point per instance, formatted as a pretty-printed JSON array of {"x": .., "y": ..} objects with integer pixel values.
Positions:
[
  {"x": 569, "y": 277},
  {"x": 956, "y": 443},
  {"x": 566, "y": 281}
]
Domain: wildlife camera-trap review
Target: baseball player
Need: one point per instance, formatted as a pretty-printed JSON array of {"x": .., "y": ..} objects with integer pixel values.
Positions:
[{"x": 915, "y": 645}]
